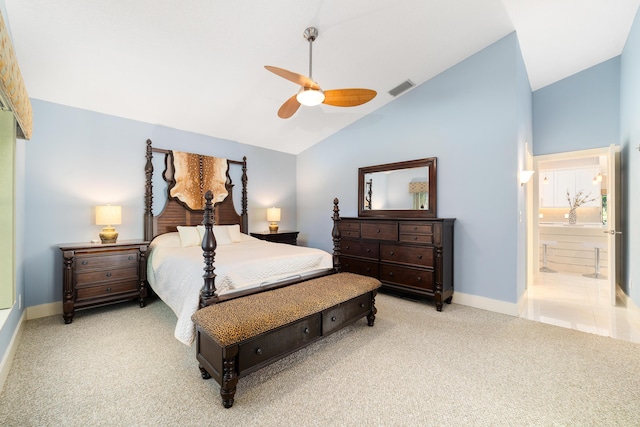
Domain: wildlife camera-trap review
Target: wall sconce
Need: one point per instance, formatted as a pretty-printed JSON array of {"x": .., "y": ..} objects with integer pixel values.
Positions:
[
  {"x": 525, "y": 176},
  {"x": 108, "y": 215},
  {"x": 273, "y": 216}
]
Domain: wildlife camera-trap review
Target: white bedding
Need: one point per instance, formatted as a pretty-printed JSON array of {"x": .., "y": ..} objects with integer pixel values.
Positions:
[{"x": 175, "y": 272}]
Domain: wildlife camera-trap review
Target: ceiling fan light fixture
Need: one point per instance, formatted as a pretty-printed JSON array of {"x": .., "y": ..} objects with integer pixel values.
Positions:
[{"x": 310, "y": 97}]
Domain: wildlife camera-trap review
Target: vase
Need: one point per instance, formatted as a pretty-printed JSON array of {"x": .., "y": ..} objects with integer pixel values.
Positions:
[{"x": 573, "y": 216}]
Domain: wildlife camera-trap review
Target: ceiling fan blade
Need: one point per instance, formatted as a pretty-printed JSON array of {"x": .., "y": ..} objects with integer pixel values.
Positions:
[
  {"x": 298, "y": 79},
  {"x": 348, "y": 97},
  {"x": 289, "y": 108}
]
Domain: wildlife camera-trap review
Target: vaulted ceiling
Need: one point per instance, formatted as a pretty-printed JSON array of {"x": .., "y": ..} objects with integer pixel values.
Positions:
[{"x": 198, "y": 65}]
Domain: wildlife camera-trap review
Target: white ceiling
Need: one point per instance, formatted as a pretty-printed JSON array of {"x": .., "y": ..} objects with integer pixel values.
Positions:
[{"x": 197, "y": 65}]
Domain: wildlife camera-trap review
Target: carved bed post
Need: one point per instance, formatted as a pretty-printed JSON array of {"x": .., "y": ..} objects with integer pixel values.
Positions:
[
  {"x": 335, "y": 234},
  {"x": 148, "y": 195},
  {"x": 208, "y": 291},
  {"x": 245, "y": 216}
]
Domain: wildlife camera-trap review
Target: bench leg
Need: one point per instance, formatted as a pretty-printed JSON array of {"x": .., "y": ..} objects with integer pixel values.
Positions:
[
  {"x": 371, "y": 317},
  {"x": 229, "y": 378},
  {"x": 203, "y": 372}
]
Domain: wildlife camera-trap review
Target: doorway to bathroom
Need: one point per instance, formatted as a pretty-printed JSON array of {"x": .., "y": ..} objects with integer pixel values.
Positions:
[{"x": 576, "y": 243}]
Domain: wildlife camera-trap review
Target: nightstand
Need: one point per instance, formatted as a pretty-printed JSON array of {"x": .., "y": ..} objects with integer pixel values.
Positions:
[
  {"x": 97, "y": 274},
  {"x": 289, "y": 237}
]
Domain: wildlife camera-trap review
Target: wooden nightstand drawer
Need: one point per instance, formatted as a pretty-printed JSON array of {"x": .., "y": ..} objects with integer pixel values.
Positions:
[
  {"x": 107, "y": 290},
  {"x": 91, "y": 278},
  {"x": 95, "y": 261}
]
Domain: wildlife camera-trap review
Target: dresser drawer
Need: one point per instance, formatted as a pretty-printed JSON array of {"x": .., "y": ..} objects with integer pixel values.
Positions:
[
  {"x": 349, "y": 228},
  {"x": 413, "y": 228},
  {"x": 416, "y": 238},
  {"x": 406, "y": 276},
  {"x": 365, "y": 249},
  {"x": 107, "y": 290},
  {"x": 272, "y": 344},
  {"x": 90, "y": 278},
  {"x": 380, "y": 230},
  {"x": 89, "y": 261},
  {"x": 346, "y": 312},
  {"x": 359, "y": 266},
  {"x": 421, "y": 256}
]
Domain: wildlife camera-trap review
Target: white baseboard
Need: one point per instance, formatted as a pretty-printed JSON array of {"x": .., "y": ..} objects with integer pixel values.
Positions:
[
  {"x": 44, "y": 310},
  {"x": 7, "y": 359},
  {"x": 485, "y": 303}
]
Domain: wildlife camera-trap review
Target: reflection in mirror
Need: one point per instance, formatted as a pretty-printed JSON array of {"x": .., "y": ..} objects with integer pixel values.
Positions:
[
  {"x": 403, "y": 189},
  {"x": 397, "y": 189}
]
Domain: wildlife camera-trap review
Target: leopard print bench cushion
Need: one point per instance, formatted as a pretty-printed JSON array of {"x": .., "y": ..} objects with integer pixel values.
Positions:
[{"x": 236, "y": 320}]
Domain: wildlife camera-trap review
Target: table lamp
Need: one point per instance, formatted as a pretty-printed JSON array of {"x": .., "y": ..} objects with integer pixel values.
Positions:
[
  {"x": 273, "y": 216},
  {"x": 108, "y": 215}
]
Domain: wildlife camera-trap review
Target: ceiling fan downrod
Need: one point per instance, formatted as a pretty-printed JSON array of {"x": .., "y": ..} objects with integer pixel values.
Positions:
[{"x": 310, "y": 34}]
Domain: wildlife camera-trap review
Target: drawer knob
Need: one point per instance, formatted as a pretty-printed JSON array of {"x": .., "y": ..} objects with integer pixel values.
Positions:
[
  {"x": 109, "y": 274},
  {"x": 85, "y": 262},
  {"x": 415, "y": 228},
  {"x": 108, "y": 289},
  {"x": 391, "y": 273},
  {"x": 378, "y": 230},
  {"x": 419, "y": 278},
  {"x": 346, "y": 247},
  {"x": 415, "y": 237},
  {"x": 333, "y": 318},
  {"x": 361, "y": 305},
  {"x": 391, "y": 252},
  {"x": 306, "y": 330},
  {"x": 420, "y": 256},
  {"x": 368, "y": 250},
  {"x": 130, "y": 258},
  {"x": 258, "y": 351},
  {"x": 368, "y": 269}
]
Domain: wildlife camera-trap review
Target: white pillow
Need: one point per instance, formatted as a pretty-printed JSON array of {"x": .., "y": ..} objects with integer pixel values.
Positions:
[
  {"x": 169, "y": 240},
  {"x": 189, "y": 236},
  {"x": 222, "y": 235},
  {"x": 234, "y": 233}
]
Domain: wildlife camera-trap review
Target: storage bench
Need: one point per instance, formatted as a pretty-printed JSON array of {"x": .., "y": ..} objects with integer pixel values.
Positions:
[{"x": 240, "y": 336}]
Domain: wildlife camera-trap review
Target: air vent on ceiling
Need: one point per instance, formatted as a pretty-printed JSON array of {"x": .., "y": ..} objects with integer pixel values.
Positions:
[{"x": 407, "y": 84}]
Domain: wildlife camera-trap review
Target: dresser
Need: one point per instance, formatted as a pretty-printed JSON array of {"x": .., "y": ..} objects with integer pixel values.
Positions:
[
  {"x": 410, "y": 256},
  {"x": 96, "y": 274},
  {"x": 289, "y": 237}
]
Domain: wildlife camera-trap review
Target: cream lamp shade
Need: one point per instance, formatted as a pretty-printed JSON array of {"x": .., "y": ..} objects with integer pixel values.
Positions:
[
  {"x": 108, "y": 215},
  {"x": 273, "y": 216}
]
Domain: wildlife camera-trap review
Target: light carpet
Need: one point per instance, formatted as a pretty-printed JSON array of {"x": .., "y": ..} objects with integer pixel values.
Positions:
[{"x": 121, "y": 366}]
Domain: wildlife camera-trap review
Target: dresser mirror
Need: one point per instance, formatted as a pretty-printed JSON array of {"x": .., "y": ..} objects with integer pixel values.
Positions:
[{"x": 400, "y": 190}]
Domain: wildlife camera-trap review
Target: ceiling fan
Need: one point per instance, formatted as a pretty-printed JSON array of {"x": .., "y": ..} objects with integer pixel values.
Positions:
[{"x": 311, "y": 94}]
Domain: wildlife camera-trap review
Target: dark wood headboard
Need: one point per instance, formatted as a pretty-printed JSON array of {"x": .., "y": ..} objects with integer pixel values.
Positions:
[{"x": 176, "y": 213}]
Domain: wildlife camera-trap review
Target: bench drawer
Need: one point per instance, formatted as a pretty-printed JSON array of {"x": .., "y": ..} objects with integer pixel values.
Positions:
[
  {"x": 260, "y": 350},
  {"x": 337, "y": 316}
]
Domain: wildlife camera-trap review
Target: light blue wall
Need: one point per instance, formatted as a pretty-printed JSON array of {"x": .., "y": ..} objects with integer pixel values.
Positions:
[
  {"x": 78, "y": 159},
  {"x": 630, "y": 147},
  {"x": 467, "y": 117},
  {"x": 579, "y": 112}
]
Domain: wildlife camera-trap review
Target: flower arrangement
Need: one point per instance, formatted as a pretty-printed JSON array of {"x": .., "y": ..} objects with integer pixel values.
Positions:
[{"x": 579, "y": 199}]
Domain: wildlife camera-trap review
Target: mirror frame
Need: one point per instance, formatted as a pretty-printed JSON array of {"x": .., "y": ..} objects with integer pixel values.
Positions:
[{"x": 400, "y": 213}]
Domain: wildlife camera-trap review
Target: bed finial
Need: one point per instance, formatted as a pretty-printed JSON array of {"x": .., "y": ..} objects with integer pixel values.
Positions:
[
  {"x": 208, "y": 291},
  {"x": 335, "y": 234}
]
